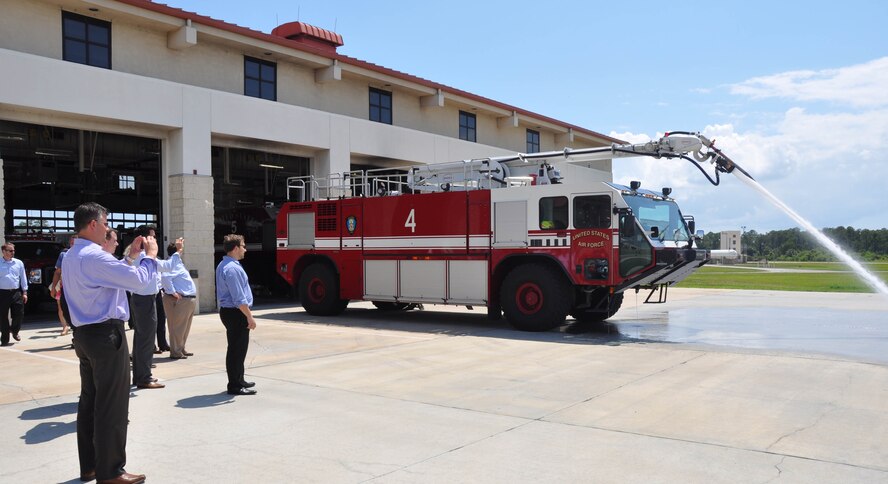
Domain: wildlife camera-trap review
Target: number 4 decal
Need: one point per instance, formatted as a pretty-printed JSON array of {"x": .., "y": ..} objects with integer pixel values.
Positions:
[{"x": 411, "y": 221}]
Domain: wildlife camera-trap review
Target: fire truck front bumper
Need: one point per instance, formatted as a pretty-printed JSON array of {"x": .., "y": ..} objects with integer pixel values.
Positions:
[{"x": 672, "y": 267}]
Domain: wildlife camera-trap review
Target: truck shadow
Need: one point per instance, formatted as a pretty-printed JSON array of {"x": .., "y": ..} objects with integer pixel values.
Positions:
[{"x": 451, "y": 323}]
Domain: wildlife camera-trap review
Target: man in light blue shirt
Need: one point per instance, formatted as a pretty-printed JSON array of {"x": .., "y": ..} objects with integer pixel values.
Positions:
[
  {"x": 95, "y": 284},
  {"x": 145, "y": 320},
  {"x": 179, "y": 300},
  {"x": 235, "y": 299},
  {"x": 13, "y": 294}
]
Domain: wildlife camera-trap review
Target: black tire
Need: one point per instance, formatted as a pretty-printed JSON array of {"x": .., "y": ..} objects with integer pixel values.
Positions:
[
  {"x": 319, "y": 291},
  {"x": 390, "y": 306},
  {"x": 494, "y": 312},
  {"x": 535, "y": 297},
  {"x": 587, "y": 316}
]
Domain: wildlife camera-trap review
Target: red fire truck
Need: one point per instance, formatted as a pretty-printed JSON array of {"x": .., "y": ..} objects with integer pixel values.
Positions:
[{"x": 533, "y": 236}]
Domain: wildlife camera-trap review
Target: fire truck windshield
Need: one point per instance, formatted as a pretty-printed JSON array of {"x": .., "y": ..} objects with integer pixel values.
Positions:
[{"x": 660, "y": 214}]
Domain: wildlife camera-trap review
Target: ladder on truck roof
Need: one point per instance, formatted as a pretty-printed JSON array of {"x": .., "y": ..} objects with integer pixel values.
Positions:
[
  {"x": 440, "y": 177},
  {"x": 495, "y": 172}
]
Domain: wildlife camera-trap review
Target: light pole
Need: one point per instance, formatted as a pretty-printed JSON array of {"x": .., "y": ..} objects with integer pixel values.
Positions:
[{"x": 742, "y": 245}]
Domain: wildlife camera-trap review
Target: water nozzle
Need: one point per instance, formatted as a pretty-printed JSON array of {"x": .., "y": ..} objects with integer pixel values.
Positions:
[{"x": 724, "y": 163}]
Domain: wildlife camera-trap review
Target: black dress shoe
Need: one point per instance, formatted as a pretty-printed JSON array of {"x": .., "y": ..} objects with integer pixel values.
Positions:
[
  {"x": 6, "y": 344},
  {"x": 16, "y": 337},
  {"x": 242, "y": 391},
  {"x": 88, "y": 476},
  {"x": 178, "y": 357},
  {"x": 248, "y": 384}
]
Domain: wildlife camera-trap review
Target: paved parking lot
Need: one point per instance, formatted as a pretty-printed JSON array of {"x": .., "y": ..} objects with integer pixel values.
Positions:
[{"x": 444, "y": 395}]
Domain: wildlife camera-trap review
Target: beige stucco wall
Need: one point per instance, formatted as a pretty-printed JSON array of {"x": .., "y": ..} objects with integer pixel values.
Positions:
[{"x": 139, "y": 46}]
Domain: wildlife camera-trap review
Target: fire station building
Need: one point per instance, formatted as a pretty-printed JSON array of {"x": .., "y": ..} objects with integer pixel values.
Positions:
[{"x": 193, "y": 124}]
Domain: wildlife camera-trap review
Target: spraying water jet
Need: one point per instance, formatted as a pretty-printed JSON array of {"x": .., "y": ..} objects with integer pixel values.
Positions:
[{"x": 723, "y": 164}]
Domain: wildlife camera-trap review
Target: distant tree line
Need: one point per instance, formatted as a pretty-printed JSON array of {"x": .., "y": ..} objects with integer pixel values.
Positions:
[{"x": 796, "y": 245}]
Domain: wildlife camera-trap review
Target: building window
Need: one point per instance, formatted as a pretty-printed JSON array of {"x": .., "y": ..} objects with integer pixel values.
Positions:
[
  {"x": 467, "y": 126},
  {"x": 380, "y": 106},
  {"x": 533, "y": 141},
  {"x": 86, "y": 40},
  {"x": 126, "y": 182},
  {"x": 260, "y": 78}
]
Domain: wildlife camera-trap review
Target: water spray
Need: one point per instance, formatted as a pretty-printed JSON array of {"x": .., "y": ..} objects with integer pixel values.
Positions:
[{"x": 723, "y": 164}]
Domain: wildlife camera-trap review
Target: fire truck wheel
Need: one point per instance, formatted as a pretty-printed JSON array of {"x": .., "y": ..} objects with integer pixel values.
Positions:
[
  {"x": 319, "y": 291},
  {"x": 535, "y": 298},
  {"x": 598, "y": 316},
  {"x": 391, "y": 306}
]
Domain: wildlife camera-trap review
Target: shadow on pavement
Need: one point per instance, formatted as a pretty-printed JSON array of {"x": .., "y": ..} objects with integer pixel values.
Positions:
[
  {"x": 51, "y": 411},
  {"x": 205, "y": 401},
  {"x": 46, "y": 431},
  {"x": 430, "y": 321}
]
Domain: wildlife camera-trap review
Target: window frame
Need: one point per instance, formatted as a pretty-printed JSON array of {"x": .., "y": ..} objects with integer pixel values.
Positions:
[
  {"x": 553, "y": 216},
  {"x": 532, "y": 139},
  {"x": 260, "y": 79},
  {"x": 585, "y": 218},
  {"x": 381, "y": 110},
  {"x": 466, "y": 132},
  {"x": 85, "y": 40}
]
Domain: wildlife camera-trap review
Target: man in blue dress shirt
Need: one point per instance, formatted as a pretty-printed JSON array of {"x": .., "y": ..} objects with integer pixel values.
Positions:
[
  {"x": 13, "y": 294},
  {"x": 95, "y": 284},
  {"x": 143, "y": 304},
  {"x": 235, "y": 299},
  {"x": 179, "y": 300}
]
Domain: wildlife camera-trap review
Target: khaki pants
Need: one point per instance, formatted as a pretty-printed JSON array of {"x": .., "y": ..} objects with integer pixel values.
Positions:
[{"x": 179, "y": 314}]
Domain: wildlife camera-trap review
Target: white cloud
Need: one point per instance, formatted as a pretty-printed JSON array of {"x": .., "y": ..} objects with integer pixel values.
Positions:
[
  {"x": 825, "y": 166},
  {"x": 861, "y": 85}
]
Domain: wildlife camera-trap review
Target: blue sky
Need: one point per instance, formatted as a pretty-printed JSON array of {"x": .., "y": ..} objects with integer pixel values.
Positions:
[{"x": 795, "y": 92}]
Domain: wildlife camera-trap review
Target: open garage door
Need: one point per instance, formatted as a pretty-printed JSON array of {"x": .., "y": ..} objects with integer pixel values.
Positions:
[{"x": 48, "y": 171}]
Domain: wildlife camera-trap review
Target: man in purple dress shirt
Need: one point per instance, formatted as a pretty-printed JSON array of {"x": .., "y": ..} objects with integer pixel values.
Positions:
[{"x": 95, "y": 284}]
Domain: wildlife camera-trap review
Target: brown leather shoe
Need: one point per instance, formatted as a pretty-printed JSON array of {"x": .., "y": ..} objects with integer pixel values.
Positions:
[
  {"x": 125, "y": 478},
  {"x": 152, "y": 384},
  {"x": 88, "y": 476},
  {"x": 187, "y": 353}
]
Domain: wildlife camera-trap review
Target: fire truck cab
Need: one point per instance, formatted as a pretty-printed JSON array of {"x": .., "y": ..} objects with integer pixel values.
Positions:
[{"x": 535, "y": 237}]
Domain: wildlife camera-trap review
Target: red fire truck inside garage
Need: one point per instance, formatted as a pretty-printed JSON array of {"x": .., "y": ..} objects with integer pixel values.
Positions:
[{"x": 535, "y": 237}]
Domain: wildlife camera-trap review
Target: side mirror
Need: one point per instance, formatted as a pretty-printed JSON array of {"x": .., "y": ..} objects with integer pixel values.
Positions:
[
  {"x": 692, "y": 226},
  {"x": 627, "y": 226},
  {"x": 700, "y": 233}
]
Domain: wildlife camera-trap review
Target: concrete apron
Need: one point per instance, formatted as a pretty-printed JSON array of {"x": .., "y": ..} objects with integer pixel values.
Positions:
[{"x": 444, "y": 395}]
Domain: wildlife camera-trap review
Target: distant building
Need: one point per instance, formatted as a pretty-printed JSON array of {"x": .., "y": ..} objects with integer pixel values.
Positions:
[{"x": 730, "y": 240}]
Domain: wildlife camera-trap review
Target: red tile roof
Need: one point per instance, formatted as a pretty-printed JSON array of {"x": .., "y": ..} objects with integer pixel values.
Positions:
[
  {"x": 331, "y": 54},
  {"x": 301, "y": 32}
]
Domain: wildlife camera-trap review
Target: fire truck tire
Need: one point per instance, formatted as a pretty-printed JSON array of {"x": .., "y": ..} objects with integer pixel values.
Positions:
[
  {"x": 598, "y": 316},
  {"x": 319, "y": 291},
  {"x": 535, "y": 298}
]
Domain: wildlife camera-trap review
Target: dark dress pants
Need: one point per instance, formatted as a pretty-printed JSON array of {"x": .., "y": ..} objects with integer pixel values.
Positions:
[
  {"x": 10, "y": 300},
  {"x": 162, "y": 343},
  {"x": 104, "y": 398},
  {"x": 238, "y": 343},
  {"x": 144, "y": 313}
]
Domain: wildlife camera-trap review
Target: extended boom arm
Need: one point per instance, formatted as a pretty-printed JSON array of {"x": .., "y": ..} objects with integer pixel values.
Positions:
[{"x": 676, "y": 144}]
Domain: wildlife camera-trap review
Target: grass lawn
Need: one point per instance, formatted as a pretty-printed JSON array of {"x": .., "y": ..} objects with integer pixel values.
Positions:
[
  {"x": 828, "y": 266},
  {"x": 726, "y": 277}
]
